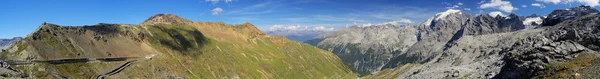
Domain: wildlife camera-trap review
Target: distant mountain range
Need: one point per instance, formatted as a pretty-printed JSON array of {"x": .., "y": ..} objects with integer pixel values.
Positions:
[
  {"x": 453, "y": 44},
  {"x": 299, "y": 36},
  {"x": 7, "y": 42}
]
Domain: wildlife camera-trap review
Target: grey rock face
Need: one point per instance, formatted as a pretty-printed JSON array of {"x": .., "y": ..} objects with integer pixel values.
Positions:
[
  {"x": 513, "y": 55},
  {"x": 561, "y": 15},
  {"x": 475, "y": 55},
  {"x": 7, "y": 42},
  {"x": 367, "y": 49},
  {"x": 458, "y": 45},
  {"x": 561, "y": 43},
  {"x": 484, "y": 24},
  {"x": 511, "y": 23},
  {"x": 438, "y": 35}
]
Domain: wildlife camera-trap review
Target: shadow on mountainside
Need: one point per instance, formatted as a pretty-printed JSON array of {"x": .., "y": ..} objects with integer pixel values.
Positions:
[{"x": 180, "y": 38}]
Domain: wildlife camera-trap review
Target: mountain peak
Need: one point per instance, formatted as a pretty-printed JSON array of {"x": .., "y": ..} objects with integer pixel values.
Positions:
[
  {"x": 166, "y": 18},
  {"x": 561, "y": 15},
  {"x": 513, "y": 15},
  {"x": 533, "y": 15},
  {"x": 442, "y": 15}
]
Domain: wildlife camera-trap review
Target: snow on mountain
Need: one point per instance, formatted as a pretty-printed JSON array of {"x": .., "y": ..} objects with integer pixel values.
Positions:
[{"x": 446, "y": 13}]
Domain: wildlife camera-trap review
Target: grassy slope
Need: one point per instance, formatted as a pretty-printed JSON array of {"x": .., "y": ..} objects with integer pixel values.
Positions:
[
  {"x": 391, "y": 73},
  {"x": 198, "y": 50},
  {"x": 267, "y": 57}
]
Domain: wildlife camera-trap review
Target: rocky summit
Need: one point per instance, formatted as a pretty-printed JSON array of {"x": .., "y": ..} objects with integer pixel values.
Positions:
[
  {"x": 453, "y": 44},
  {"x": 558, "y": 16}
]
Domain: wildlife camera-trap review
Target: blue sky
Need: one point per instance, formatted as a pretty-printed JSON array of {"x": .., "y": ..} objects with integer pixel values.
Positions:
[{"x": 21, "y": 17}]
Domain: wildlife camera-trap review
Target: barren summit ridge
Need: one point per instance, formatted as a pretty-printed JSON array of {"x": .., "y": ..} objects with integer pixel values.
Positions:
[{"x": 166, "y": 18}]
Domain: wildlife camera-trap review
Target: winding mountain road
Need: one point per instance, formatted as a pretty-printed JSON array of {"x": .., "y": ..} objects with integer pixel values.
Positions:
[
  {"x": 113, "y": 72},
  {"x": 120, "y": 68}
]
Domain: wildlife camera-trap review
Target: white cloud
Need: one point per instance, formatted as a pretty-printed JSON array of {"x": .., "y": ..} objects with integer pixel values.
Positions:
[
  {"x": 589, "y": 2},
  {"x": 298, "y": 28},
  {"x": 550, "y": 1},
  {"x": 584, "y": 2},
  {"x": 396, "y": 22},
  {"x": 505, "y": 6},
  {"x": 228, "y": 1},
  {"x": 445, "y": 3},
  {"x": 286, "y": 28},
  {"x": 496, "y": 13},
  {"x": 217, "y": 11},
  {"x": 212, "y": 1},
  {"x": 528, "y": 21},
  {"x": 217, "y": 1},
  {"x": 450, "y": 6},
  {"x": 481, "y": 2},
  {"x": 453, "y": 7},
  {"x": 523, "y": 6},
  {"x": 283, "y": 30},
  {"x": 322, "y": 28},
  {"x": 538, "y": 5},
  {"x": 468, "y": 9}
]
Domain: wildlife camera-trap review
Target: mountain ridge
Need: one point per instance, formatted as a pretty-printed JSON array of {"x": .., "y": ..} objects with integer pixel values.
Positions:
[
  {"x": 167, "y": 46},
  {"x": 443, "y": 41}
]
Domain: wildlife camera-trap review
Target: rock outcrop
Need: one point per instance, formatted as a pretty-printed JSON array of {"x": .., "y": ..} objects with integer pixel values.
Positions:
[
  {"x": 367, "y": 49},
  {"x": 558, "y": 16}
]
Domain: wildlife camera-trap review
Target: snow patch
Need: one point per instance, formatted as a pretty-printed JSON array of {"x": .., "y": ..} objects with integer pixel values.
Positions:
[
  {"x": 428, "y": 21},
  {"x": 446, "y": 13}
]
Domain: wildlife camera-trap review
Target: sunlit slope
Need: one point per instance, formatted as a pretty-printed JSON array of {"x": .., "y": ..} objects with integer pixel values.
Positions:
[{"x": 179, "y": 49}]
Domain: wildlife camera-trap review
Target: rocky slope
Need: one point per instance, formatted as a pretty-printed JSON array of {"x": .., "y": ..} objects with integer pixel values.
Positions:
[
  {"x": 425, "y": 39},
  {"x": 559, "y": 51},
  {"x": 367, "y": 49},
  {"x": 558, "y": 16},
  {"x": 454, "y": 44},
  {"x": 7, "y": 42},
  {"x": 565, "y": 50},
  {"x": 166, "y": 47}
]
